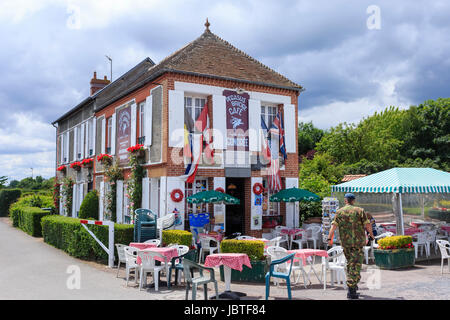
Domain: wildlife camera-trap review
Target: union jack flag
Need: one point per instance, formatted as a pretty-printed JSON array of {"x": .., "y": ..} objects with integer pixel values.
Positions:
[{"x": 278, "y": 128}]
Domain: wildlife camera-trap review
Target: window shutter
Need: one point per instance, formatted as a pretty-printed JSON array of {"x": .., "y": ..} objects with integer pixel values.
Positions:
[
  {"x": 219, "y": 121},
  {"x": 146, "y": 193},
  {"x": 103, "y": 134},
  {"x": 61, "y": 151},
  {"x": 101, "y": 200},
  {"x": 290, "y": 127},
  {"x": 148, "y": 109},
  {"x": 113, "y": 135},
  {"x": 94, "y": 134},
  {"x": 254, "y": 124},
  {"x": 119, "y": 201},
  {"x": 82, "y": 147},
  {"x": 176, "y": 118},
  {"x": 74, "y": 200},
  {"x": 67, "y": 145},
  {"x": 75, "y": 144},
  {"x": 133, "y": 124},
  {"x": 87, "y": 138}
]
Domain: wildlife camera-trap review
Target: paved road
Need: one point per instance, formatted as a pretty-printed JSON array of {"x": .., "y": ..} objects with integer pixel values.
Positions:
[{"x": 31, "y": 269}]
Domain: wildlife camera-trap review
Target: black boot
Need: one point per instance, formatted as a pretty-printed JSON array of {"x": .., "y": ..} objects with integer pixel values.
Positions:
[{"x": 352, "y": 295}]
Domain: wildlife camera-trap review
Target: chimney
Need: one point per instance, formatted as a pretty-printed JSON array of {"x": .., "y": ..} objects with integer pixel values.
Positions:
[{"x": 98, "y": 84}]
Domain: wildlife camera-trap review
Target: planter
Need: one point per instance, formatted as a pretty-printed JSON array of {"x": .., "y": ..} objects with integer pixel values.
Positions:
[
  {"x": 394, "y": 259},
  {"x": 256, "y": 274}
]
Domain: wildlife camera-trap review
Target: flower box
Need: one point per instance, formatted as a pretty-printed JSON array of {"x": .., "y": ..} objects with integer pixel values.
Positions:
[
  {"x": 76, "y": 166},
  {"x": 137, "y": 150},
  {"x": 87, "y": 163},
  {"x": 394, "y": 259},
  {"x": 105, "y": 159},
  {"x": 256, "y": 274},
  {"x": 62, "y": 169}
]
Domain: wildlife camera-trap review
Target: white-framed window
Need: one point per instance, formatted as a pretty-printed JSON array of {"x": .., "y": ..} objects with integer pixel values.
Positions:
[
  {"x": 194, "y": 106},
  {"x": 108, "y": 134},
  {"x": 141, "y": 122},
  {"x": 268, "y": 112},
  {"x": 90, "y": 139},
  {"x": 65, "y": 147},
  {"x": 199, "y": 185}
]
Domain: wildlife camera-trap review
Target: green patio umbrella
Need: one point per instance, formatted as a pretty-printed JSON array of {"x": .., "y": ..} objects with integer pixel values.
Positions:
[
  {"x": 294, "y": 195},
  {"x": 212, "y": 196}
]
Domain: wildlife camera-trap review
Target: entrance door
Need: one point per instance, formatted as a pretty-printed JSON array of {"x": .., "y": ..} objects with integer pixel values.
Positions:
[{"x": 235, "y": 216}]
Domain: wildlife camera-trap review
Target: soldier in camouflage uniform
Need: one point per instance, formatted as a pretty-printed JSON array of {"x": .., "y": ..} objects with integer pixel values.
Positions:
[{"x": 352, "y": 223}]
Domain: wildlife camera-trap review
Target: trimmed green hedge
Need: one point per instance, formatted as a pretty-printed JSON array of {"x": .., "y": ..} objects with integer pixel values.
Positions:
[
  {"x": 68, "y": 235},
  {"x": 89, "y": 206},
  {"x": 28, "y": 219},
  {"x": 254, "y": 249},
  {"x": 179, "y": 237},
  {"x": 8, "y": 197}
]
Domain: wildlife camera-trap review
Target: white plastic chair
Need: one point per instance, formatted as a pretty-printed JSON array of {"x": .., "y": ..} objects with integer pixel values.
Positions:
[
  {"x": 420, "y": 240},
  {"x": 313, "y": 234},
  {"x": 148, "y": 265},
  {"x": 444, "y": 247},
  {"x": 275, "y": 242},
  {"x": 284, "y": 237},
  {"x": 121, "y": 254},
  {"x": 154, "y": 241},
  {"x": 302, "y": 240},
  {"x": 336, "y": 263},
  {"x": 431, "y": 240},
  {"x": 277, "y": 252},
  {"x": 244, "y": 238},
  {"x": 131, "y": 264},
  {"x": 205, "y": 242}
]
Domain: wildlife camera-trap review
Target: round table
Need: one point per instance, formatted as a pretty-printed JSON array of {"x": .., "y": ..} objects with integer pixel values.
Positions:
[
  {"x": 142, "y": 245},
  {"x": 305, "y": 253},
  {"x": 167, "y": 252},
  {"x": 229, "y": 261},
  {"x": 217, "y": 236},
  {"x": 291, "y": 233}
]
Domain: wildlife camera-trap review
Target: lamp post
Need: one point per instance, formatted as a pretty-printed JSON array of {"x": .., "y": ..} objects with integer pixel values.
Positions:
[{"x": 110, "y": 60}]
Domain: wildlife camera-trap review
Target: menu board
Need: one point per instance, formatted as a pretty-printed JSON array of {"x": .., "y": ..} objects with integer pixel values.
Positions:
[
  {"x": 123, "y": 136},
  {"x": 237, "y": 120}
]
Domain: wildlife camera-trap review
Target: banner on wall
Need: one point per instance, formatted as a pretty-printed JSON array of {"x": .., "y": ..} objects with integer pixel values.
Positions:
[
  {"x": 123, "y": 134},
  {"x": 237, "y": 120}
]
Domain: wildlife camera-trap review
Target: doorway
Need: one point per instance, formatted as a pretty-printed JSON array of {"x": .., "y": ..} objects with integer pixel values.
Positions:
[{"x": 235, "y": 213}]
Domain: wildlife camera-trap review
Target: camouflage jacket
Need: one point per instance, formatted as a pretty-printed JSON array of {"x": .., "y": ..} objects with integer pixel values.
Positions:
[{"x": 351, "y": 221}]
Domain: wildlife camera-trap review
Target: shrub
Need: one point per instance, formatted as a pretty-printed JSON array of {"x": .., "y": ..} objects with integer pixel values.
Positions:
[
  {"x": 254, "y": 249},
  {"x": 68, "y": 235},
  {"x": 8, "y": 197},
  {"x": 395, "y": 242},
  {"x": 89, "y": 206},
  {"x": 179, "y": 237},
  {"x": 28, "y": 219}
]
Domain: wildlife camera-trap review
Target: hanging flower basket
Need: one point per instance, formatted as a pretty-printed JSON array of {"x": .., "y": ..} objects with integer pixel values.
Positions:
[
  {"x": 105, "y": 159},
  {"x": 87, "y": 163},
  {"x": 76, "y": 166},
  {"x": 62, "y": 169},
  {"x": 137, "y": 150}
]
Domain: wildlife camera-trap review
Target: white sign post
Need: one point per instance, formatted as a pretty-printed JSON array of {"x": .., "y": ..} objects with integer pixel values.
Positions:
[{"x": 110, "y": 249}]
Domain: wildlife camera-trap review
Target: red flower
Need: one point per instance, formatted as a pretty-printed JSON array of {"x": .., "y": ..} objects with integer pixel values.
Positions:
[
  {"x": 61, "y": 168},
  {"x": 135, "y": 148},
  {"x": 87, "y": 162},
  {"x": 103, "y": 156},
  {"x": 76, "y": 165}
]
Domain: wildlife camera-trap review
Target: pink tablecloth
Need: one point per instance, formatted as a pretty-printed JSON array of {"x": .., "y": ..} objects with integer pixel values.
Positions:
[
  {"x": 217, "y": 236},
  {"x": 142, "y": 246},
  {"x": 421, "y": 224},
  {"x": 305, "y": 253},
  {"x": 165, "y": 251},
  {"x": 290, "y": 231},
  {"x": 446, "y": 228},
  {"x": 233, "y": 260},
  {"x": 408, "y": 231}
]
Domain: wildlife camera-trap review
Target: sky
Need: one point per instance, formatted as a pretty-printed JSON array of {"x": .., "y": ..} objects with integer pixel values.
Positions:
[{"x": 353, "y": 57}]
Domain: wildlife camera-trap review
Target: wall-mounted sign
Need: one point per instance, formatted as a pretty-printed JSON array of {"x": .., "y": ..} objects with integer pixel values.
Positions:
[
  {"x": 237, "y": 120},
  {"x": 123, "y": 135}
]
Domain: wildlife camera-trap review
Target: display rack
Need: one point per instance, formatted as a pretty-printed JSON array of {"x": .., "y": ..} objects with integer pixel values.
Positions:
[{"x": 329, "y": 208}]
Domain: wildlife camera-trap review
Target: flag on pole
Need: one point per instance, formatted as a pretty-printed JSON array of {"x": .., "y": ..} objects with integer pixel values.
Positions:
[
  {"x": 274, "y": 169},
  {"x": 202, "y": 125},
  {"x": 197, "y": 148},
  {"x": 265, "y": 148},
  {"x": 278, "y": 128},
  {"x": 188, "y": 128}
]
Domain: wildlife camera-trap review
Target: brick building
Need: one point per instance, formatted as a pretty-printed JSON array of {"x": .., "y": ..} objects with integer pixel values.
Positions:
[{"x": 151, "y": 100}]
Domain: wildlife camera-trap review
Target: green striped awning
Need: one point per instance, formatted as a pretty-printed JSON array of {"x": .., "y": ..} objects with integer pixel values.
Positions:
[{"x": 399, "y": 180}]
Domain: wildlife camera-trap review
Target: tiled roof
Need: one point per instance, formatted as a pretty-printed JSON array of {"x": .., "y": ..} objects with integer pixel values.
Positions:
[
  {"x": 350, "y": 177},
  {"x": 213, "y": 56}
]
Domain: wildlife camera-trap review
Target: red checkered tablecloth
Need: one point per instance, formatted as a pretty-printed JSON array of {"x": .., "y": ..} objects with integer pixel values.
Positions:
[
  {"x": 305, "y": 253},
  {"x": 290, "y": 231},
  {"x": 233, "y": 260},
  {"x": 165, "y": 251},
  {"x": 408, "y": 231},
  {"x": 217, "y": 236},
  {"x": 142, "y": 246}
]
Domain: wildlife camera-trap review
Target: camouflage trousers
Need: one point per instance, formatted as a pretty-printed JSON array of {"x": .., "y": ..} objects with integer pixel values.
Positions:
[{"x": 355, "y": 257}]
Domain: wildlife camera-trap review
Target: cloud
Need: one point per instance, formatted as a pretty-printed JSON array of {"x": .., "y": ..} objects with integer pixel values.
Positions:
[{"x": 51, "y": 48}]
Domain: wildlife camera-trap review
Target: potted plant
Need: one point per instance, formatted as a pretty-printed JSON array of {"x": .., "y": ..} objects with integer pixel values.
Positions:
[
  {"x": 76, "y": 166},
  {"x": 255, "y": 252},
  {"x": 105, "y": 159},
  {"x": 137, "y": 150},
  {"x": 395, "y": 252},
  {"x": 87, "y": 163},
  {"x": 62, "y": 169}
]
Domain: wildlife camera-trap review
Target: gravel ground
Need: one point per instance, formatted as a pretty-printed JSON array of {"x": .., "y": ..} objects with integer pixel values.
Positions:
[{"x": 31, "y": 269}]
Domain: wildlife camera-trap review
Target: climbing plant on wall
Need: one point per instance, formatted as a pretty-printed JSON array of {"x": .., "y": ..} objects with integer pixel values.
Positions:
[
  {"x": 134, "y": 188},
  {"x": 67, "y": 194},
  {"x": 113, "y": 173}
]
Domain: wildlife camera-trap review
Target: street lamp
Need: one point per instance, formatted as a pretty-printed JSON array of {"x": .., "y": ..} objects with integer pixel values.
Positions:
[{"x": 110, "y": 60}]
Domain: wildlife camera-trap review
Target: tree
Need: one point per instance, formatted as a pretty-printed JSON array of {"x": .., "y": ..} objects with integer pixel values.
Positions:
[
  {"x": 3, "y": 180},
  {"x": 308, "y": 137}
]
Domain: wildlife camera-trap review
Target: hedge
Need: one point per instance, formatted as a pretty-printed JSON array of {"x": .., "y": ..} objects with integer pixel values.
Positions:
[
  {"x": 179, "y": 237},
  {"x": 8, "y": 197},
  {"x": 68, "y": 235},
  {"x": 89, "y": 206},
  {"x": 254, "y": 249},
  {"x": 28, "y": 219}
]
